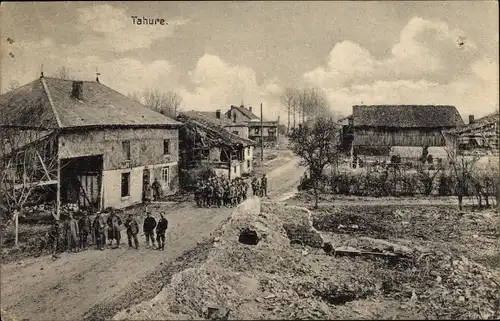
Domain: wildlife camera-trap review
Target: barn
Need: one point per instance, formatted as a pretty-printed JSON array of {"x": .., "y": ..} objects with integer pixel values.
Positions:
[{"x": 382, "y": 130}]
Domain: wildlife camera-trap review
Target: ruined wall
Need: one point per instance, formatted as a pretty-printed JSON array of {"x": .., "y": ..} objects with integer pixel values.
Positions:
[
  {"x": 146, "y": 146},
  {"x": 241, "y": 131}
]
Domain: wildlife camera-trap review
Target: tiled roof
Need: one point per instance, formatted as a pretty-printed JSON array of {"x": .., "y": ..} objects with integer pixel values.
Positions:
[
  {"x": 47, "y": 102},
  {"x": 407, "y": 116}
]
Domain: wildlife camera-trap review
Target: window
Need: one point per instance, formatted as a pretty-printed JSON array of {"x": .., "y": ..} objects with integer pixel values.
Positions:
[
  {"x": 235, "y": 132},
  {"x": 125, "y": 184},
  {"x": 165, "y": 175},
  {"x": 166, "y": 147},
  {"x": 126, "y": 149},
  {"x": 248, "y": 164}
]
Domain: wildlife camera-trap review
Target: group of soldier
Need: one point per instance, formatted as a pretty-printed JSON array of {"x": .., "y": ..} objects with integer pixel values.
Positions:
[
  {"x": 220, "y": 191},
  {"x": 79, "y": 234}
]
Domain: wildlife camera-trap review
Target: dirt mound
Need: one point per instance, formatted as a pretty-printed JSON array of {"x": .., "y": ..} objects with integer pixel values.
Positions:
[{"x": 253, "y": 272}]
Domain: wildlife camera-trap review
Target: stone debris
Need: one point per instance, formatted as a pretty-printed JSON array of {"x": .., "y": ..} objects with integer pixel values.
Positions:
[{"x": 278, "y": 279}]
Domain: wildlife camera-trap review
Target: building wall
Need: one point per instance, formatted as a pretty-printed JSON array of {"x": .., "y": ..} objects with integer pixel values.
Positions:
[
  {"x": 248, "y": 159},
  {"x": 400, "y": 137},
  {"x": 254, "y": 132},
  {"x": 241, "y": 131},
  {"x": 146, "y": 151},
  {"x": 146, "y": 146},
  {"x": 112, "y": 184}
]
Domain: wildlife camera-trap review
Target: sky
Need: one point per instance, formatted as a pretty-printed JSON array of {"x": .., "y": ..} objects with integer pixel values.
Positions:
[{"x": 217, "y": 54}]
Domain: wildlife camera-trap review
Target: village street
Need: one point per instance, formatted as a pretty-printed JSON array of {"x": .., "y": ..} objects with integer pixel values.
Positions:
[{"x": 39, "y": 288}]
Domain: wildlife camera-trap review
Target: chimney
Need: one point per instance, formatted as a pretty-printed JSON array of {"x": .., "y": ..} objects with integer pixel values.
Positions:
[
  {"x": 250, "y": 108},
  {"x": 242, "y": 106},
  {"x": 471, "y": 119},
  {"x": 77, "y": 90},
  {"x": 217, "y": 113}
]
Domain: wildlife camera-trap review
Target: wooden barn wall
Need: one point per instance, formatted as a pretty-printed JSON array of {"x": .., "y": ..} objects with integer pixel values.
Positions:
[
  {"x": 401, "y": 137},
  {"x": 146, "y": 146}
]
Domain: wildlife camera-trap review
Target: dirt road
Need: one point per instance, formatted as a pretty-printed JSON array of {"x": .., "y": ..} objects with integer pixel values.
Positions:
[{"x": 42, "y": 289}]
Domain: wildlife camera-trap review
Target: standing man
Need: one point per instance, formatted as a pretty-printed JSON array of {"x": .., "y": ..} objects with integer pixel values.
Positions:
[
  {"x": 156, "y": 190},
  {"x": 54, "y": 235},
  {"x": 197, "y": 194},
  {"x": 161, "y": 229},
  {"x": 254, "y": 186},
  {"x": 71, "y": 233},
  {"x": 132, "y": 230},
  {"x": 114, "y": 222},
  {"x": 263, "y": 184},
  {"x": 99, "y": 227},
  {"x": 210, "y": 194},
  {"x": 245, "y": 189},
  {"x": 84, "y": 227},
  {"x": 148, "y": 228}
]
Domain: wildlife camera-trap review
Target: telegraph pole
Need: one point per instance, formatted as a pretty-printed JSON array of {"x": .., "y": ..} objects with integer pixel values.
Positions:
[
  {"x": 261, "y": 136},
  {"x": 278, "y": 131}
]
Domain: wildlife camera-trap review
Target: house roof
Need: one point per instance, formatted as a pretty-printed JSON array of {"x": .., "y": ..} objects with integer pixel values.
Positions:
[
  {"x": 212, "y": 117},
  {"x": 407, "y": 116},
  {"x": 213, "y": 134},
  {"x": 47, "y": 103},
  {"x": 477, "y": 124},
  {"x": 246, "y": 112}
]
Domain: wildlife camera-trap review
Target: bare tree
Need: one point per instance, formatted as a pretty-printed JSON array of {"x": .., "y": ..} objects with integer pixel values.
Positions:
[
  {"x": 290, "y": 100},
  {"x": 27, "y": 162},
  {"x": 317, "y": 145},
  {"x": 462, "y": 169},
  {"x": 135, "y": 96},
  {"x": 63, "y": 73},
  {"x": 166, "y": 103},
  {"x": 313, "y": 104},
  {"x": 14, "y": 84}
]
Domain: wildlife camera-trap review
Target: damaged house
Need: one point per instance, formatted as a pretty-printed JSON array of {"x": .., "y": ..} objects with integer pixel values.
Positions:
[
  {"x": 478, "y": 135},
  {"x": 202, "y": 142},
  {"x": 257, "y": 130},
  {"x": 217, "y": 118},
  {"x": 107, "y": 148}
]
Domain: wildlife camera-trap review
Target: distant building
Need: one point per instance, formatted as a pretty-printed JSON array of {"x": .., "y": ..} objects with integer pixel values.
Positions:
[
  {"x": 267, "y": 130},
  {"x": 202, "y": 142},
  {"x": 380, "y": 130},
  {"x": 109, "y": 147},
  {"x": 219, "y": 119},
  {"x": 479, "y": 134}
]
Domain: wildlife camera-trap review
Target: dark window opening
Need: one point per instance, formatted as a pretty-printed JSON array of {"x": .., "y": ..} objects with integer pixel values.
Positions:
[
  {"x": 126, "y": 149},
  {"x": 125, "y": 184},
  {"x": 235, "y": 132},
  {"x": 166, "y": 147}
]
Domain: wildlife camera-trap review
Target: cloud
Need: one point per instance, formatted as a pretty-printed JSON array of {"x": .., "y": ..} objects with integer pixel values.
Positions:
[
  {"x": 113, "y": 29},
  {"x": 124, "y": 75},
  {"x": 430, "y": 64},
  {"x": 220, "y": 85}
]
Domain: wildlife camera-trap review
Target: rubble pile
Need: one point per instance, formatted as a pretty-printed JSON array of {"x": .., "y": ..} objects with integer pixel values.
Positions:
[{"x": 254, "y": 271}]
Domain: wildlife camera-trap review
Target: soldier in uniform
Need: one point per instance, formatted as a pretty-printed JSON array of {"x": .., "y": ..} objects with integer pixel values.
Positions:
[
  {"x": 210, "y": 194},
  {"x": 132, "y": 230},
  {"x": 148, "y": 228},
  {"x": 204, "y": 194},
  {"x": 99, "y": 227},
  {"x": 197, "y": 194},
  {"x": 85, "y": 229},
  {"x": 245, "y": 189},
  {"x": 71, "y": 233},
  {"x": 219, "y": 194},
  {"x": 114, "y": 222},
  {"x": 254, "y": 186},
  {"x": 157, "y": 191},
  {"x": 54, "y": 236},
  {"x": 161, "y": 229},
  {"x": 232, "y": 194},
  {"x": 226, "y": 195},
  {"x": 263, "y": 184}
]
